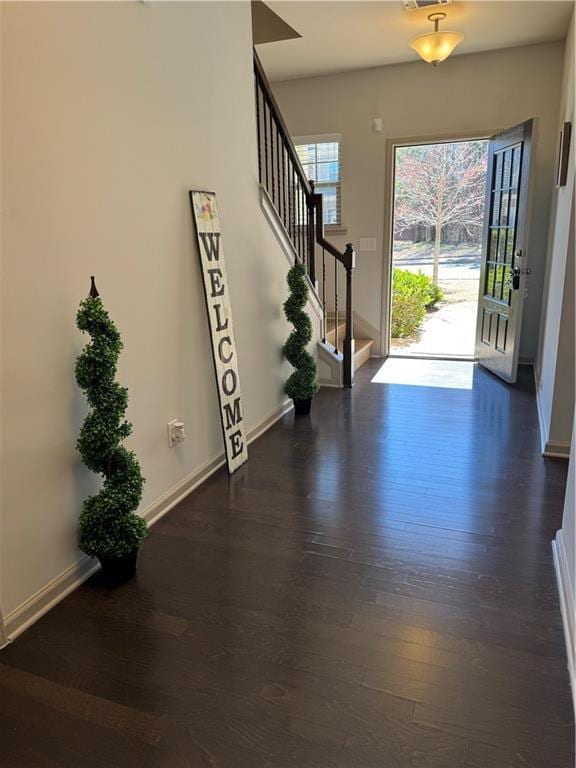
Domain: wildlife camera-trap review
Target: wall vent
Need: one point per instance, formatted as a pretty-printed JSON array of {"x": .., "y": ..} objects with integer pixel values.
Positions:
[{"x": 416, "y": 5}]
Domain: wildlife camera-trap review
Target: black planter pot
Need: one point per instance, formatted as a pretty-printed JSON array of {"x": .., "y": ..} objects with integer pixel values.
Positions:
[
  {"x": 302, "y": 407},
  {"x": 117, "y": 570}
]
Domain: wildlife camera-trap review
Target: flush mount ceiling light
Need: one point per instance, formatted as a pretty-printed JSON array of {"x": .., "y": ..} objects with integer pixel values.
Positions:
[{"x": 436, "y": 46}]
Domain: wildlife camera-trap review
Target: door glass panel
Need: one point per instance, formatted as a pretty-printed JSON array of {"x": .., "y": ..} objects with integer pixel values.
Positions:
[
  {"x": 505, "y": 283},
  {"x": 507, "y": 173},
  {"x": 510, "y": 245},
  {"x": 516, "y": 167},
  {"x": 496, "y": 208},
  {"x": 498, "y": 171},
  {"x": 493, "y": 244},
  {"x": 502, "y": 245},
  {"x": 499, "y": 273},
  {"x": 512, "y": 208},
  {"x": 490, "y": 272},
  {"x": 504, "y": 209}
]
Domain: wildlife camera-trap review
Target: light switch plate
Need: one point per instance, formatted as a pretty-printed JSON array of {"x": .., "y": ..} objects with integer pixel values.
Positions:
[{"x": 367, "y": 244}]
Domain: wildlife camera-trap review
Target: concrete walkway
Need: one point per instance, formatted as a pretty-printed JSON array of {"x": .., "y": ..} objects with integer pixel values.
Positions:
[{"x": 448, "y": 330}]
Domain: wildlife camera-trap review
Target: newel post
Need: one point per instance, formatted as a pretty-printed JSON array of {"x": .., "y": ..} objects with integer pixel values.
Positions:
[{"x": 349, "y": 262}]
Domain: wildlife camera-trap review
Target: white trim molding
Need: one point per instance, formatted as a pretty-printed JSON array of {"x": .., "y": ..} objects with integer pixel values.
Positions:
[
  {"x": 566, "y": 606},
  {"x": 556, "y": 450},
  {"x": 47, "y": 597},
  {"x": 549, "y": 448},
  {"x": 542, "y": 421},
  {"x": 56, "y": 590},
  {"x": 330, "y": 366},
  {"x": 552, "y": 449}
]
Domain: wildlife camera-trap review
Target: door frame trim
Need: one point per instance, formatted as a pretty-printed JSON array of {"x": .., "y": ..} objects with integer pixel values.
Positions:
[{"x": 387, "y": 238}]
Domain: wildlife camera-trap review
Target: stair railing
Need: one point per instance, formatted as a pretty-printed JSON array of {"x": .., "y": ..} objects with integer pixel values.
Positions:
[{"x": 299, "y": 208}]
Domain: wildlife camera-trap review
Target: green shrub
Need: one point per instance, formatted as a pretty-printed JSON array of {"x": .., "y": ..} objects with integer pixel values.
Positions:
[
  {"x": 412, "y": 294},
  {"x": 108, "y": 526},
  {"x": 301, "y": 384},
  {"x": 435, "y": 293}
]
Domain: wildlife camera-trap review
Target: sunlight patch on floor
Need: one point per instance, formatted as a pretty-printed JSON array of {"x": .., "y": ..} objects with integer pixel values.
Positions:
[{"x": 450, "y": 374}]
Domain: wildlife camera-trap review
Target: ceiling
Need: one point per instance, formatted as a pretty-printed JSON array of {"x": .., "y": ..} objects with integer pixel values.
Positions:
[{"x": 338, "y": 36}]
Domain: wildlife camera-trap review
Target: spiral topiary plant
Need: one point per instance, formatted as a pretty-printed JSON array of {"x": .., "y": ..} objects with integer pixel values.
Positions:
[
  {"x": 109, "y": 529},
  {"x": 301, "y": 384}
]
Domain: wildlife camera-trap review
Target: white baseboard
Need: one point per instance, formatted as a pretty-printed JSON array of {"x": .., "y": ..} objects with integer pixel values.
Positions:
[
  {"x": 56, "y": 590},
  {"x": 542, "y": 421},
  {"x": 3, "y": 635},
  {"x": 47, "y": 597},
  {"x": 566, "y": 607},
  {"x": 556, "y": 450}
]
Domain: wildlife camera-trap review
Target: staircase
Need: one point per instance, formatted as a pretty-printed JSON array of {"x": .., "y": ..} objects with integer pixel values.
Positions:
[
  {"x": 362, "y": 347},
  {"x": 298, "y": 210}
]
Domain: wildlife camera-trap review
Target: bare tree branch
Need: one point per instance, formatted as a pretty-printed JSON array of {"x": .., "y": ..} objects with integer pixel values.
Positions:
[{"x": 440, "y": 184}]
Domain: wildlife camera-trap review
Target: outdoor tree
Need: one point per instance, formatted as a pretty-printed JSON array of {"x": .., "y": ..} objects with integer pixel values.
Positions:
[{"x": 440, "y": 184}]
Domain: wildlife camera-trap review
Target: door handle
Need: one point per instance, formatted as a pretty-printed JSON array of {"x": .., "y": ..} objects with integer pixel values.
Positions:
[{"x": 515, "y": 278}]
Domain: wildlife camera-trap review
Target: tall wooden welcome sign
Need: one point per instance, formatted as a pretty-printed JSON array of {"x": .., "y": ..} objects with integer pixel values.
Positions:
[{"x": 205, "y": 215}]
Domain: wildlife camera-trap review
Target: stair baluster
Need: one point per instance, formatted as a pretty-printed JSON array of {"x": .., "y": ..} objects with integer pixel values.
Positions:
[
  {"x": 265, "y": 142},
  {"x": 277, "y": 167},
  {"x": 336, "y": 305},
  {"x": 258, "y": 133},
  {"x": 324, "y": 295},
  {"x": 284, "y": 218}
]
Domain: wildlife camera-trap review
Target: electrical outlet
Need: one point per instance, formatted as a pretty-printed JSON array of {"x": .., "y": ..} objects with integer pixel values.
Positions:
[{"x": 176, "y": 432}]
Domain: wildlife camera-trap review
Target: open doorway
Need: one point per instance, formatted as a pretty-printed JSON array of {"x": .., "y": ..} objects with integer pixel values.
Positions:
[{"x": 438, "y": 211}]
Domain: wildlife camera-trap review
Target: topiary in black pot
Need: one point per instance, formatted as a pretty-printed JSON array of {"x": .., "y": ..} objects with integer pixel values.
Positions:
[
  {"x": 109, "y": 529},
  {"x": 301, "y": 385}
]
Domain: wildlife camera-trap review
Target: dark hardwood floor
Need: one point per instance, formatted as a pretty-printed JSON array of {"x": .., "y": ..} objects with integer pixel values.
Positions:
[{"x": 374, "y": 589}]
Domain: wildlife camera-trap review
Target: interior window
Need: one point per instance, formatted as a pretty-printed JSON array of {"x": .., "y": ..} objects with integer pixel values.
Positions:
[{"x": 321, "y": 162}]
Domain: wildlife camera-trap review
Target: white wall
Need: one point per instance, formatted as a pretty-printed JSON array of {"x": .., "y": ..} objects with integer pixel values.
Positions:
[
  {"x": 555, "y": 360},
  {"x": 565, "y": 559},
  {"x": 480, "y": 92},
  {"x": 569, "y": 520},
  {"x": 112, "y": 111},
  {"x": 3, "y": 637}
]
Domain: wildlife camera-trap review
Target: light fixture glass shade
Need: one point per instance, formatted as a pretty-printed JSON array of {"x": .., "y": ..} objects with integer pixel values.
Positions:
[{"x": 434, "y": 47}]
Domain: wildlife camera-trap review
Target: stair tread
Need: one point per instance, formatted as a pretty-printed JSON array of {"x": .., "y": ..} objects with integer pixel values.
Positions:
[
  {"x": 361, "y": 344},
  {"x": 331, "y": 324}
]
